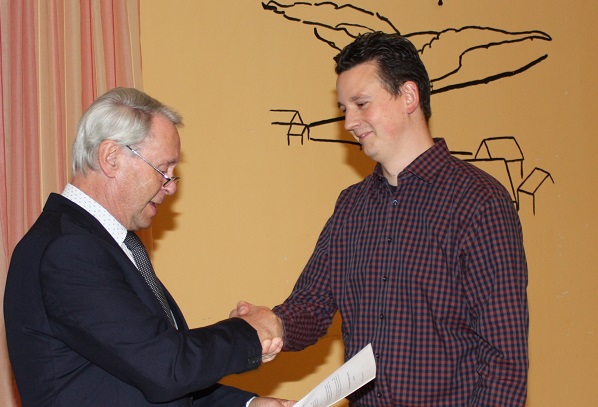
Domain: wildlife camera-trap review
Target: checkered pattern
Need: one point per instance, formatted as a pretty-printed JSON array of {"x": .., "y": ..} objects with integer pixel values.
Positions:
[{"x": 433, "y": 274}]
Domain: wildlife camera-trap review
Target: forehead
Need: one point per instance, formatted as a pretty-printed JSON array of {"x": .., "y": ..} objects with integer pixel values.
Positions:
[
  {"x": 163, "y": 139},
  {"x": 361, "y": 78}
]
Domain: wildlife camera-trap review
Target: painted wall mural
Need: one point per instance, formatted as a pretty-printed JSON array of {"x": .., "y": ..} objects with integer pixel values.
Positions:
[{"x": 449, "y": 55}]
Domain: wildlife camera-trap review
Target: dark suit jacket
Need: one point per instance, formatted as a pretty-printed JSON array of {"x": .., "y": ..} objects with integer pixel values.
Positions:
[{"x": 84, "y": 329}]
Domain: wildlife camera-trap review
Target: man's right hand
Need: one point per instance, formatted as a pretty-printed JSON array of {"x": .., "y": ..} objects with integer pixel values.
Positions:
[{"x": 268, "y": 326}]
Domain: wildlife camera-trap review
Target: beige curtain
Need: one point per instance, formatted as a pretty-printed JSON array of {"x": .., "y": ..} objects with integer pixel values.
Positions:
[{"x": 57, "y": 57}]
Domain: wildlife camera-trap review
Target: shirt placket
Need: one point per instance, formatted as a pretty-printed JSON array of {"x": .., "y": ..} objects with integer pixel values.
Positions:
[{"x": 386, "y": 273}]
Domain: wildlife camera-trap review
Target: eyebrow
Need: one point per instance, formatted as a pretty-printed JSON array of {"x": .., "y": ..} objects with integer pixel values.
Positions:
[
  {"x": 167, "y": 163},
  {"x": 171, "y": 163},
  {"x": 353, "y": 99}
]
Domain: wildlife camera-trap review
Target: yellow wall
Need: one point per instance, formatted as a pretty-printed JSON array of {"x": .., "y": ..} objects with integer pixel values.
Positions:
[{"x": 250, "y": 207}]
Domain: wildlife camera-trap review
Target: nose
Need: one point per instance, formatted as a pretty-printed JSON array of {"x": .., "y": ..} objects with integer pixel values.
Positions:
[
  {"x": 170, "y": 189},
  {"x": 351, "y": 120}
]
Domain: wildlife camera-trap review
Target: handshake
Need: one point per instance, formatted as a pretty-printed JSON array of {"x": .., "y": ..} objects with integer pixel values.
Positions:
[{"x": 268, "y": 326}]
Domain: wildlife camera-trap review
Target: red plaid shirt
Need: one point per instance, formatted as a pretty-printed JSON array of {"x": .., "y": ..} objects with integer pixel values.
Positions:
[{"x": 434, "y": 275}]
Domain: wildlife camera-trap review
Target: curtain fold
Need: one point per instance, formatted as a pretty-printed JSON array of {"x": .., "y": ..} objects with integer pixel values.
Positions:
[
  {"x": 20, "y": 161},
  {"x": 57, "y": 57}
]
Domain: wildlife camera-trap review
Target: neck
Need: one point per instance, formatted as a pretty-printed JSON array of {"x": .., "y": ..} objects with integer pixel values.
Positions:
[
  {"x": 406, "y": 153},
  {"x": 94, "y": 186}
]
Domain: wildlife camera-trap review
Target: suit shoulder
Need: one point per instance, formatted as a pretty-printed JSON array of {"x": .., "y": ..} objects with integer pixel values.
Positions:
[{"x": 60, "y": 217}]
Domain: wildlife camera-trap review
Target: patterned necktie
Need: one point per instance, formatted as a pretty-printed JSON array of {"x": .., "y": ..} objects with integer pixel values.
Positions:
[{"x": 147, "y": 271}]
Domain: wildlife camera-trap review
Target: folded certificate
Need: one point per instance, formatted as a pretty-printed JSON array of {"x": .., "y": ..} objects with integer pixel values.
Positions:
[{"x": 356, "y": 372}]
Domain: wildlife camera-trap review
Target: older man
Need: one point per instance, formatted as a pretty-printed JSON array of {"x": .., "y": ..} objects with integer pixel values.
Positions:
[{"x": 88, "y": 323}]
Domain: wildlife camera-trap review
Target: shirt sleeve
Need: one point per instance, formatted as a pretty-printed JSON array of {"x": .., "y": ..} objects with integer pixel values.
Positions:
[
  {"x": 308, "y": 311},
  {"x": 495, "y": 283}
]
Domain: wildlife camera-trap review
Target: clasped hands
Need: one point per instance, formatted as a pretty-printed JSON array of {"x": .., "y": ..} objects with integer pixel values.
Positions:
[
  {"x": 270, "y": 332},
  {"x": 268, "y": 326}
]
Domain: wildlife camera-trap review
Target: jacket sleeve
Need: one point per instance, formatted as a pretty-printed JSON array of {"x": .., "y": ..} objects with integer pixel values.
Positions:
[
  {"x": 221, "y": 395},
  {"x": 94, "y": 307}
]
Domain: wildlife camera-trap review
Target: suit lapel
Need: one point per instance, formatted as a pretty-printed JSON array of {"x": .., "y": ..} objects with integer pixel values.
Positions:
[{"x": 78, "y": 220}]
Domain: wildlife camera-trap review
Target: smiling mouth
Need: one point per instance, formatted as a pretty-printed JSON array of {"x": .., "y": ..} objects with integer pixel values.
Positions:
[{"x": 361, "y": 136}]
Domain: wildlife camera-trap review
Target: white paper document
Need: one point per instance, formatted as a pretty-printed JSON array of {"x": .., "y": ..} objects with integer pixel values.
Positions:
[{"x": 356, "y": 372}]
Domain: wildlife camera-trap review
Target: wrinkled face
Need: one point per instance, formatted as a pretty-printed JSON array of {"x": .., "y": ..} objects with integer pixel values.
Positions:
[
  {"x": 141, "y": 188},
  {"x": 375, "y": 117}
]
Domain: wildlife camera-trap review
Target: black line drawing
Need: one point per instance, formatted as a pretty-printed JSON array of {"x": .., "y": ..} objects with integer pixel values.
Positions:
[
  {"x": 297, "y": 128},
  {"x": 465, "y": 43},
  {"x": 497, "y": 156},
  {"x": 336, "y": 25},
  {"x": 531, "y": 184}
]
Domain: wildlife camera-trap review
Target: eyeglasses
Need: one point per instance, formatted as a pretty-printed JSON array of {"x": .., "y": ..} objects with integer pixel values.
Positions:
[{"x": 169, "y": 180}]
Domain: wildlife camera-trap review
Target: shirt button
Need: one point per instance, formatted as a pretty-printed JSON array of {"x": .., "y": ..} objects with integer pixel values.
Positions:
[
  {"x": 379, "y": 394},
  {"x": 384, "y": 278},
  {"x": 389, "y": 239},
  {"x": 377, "y": 356},
  {"x": 395, "y": 203},
  {"x": 381, "y": 316}
]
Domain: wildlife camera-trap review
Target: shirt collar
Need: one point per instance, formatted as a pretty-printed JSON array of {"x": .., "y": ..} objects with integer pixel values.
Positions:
[
  {"x": 426, "y": 166},
  {"x": 114, "y": 227}
]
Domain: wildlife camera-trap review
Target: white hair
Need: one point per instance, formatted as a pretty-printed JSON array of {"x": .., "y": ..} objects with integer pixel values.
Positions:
[{"x": 121, "y": 114}]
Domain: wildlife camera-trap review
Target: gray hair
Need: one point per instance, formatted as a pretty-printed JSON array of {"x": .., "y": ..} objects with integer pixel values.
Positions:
[{"x": 121, "y": 114}]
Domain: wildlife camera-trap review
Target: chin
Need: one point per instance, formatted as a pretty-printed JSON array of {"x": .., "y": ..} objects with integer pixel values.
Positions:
[
  {"x": 370, "y": 153},
  {"x": 145, "y": 224},
  {"x": 142, "y": 223}
]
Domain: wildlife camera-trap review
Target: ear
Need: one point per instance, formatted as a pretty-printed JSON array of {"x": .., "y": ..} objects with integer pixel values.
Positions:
[
  {"x": 411, "y": 92},
  {"x": 109, "y": 154}
]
